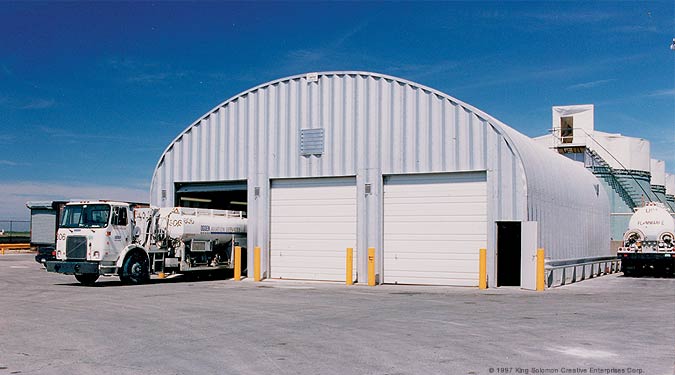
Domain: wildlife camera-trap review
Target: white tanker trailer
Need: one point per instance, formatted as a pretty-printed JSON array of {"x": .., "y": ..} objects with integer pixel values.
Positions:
[
  {"x": 649, "y": 242},
  {"x": 103, "y": 238}
]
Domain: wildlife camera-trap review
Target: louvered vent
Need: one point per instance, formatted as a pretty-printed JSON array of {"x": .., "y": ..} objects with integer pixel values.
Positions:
[{"x": 311, "y": 141}]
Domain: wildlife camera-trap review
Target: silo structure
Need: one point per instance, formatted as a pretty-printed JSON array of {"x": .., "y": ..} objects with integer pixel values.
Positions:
[
  {"x": 670, "y": 191},
  {"x": 658, "y": 179}
]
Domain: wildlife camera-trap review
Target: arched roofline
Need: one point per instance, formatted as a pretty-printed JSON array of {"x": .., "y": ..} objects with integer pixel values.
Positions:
[{"x": 497, "y": 125}]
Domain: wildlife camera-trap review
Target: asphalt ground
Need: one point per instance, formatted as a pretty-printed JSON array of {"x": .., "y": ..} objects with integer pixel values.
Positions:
[{"x": 49, "y": 324}]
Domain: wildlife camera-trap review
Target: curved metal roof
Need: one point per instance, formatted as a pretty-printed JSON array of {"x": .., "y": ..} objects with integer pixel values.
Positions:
[
  {"x": 402, "y": 81},
  {"x": 536, "y": 160}
]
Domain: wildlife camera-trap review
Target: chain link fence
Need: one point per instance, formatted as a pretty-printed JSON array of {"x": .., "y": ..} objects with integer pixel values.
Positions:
[{"x": 14, "y": 231}]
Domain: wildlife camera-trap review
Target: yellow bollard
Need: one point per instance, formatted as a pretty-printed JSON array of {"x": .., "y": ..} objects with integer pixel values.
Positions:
[
  {"x": 482, "y": 269},
  {"x": 161, "y": 275},
  {"x": 237, "y": 263},
  {"x": 540, "y": 270},
  {"x": 256, "y": 263},
  {"x": 371, "y": 266},
  {"x": 349, "y": 269}
]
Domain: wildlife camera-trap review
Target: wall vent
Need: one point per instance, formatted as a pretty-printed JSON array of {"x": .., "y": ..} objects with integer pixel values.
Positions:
[{"x": 311, "y": 141}]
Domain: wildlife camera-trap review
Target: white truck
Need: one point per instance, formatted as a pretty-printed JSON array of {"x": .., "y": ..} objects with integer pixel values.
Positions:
[
  {"x": 105, "y": 238},
  {"x": 649, "y": 242}
]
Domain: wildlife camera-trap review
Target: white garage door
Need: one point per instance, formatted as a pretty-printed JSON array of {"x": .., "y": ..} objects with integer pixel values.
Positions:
[
  {"x": 313, "y": 222},
  {"x": 434, "y": 226}
]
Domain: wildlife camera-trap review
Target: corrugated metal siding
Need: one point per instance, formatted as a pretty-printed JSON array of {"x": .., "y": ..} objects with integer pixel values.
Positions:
[
  {"x": 374, "y": 125},
  {"x": 567, "y": 201},
  {"x": 385, "y": 124}
]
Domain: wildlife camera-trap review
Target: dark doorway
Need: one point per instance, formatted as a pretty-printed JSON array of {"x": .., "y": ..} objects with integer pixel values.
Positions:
[
  {"x": 216, "y": 195},
  {"x": 508, "y": 253}
]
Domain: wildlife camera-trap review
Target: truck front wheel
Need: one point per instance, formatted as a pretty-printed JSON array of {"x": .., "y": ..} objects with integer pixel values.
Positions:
[
  {"x": 88, "y": 279},
  {"x": 135, "y": 269}
]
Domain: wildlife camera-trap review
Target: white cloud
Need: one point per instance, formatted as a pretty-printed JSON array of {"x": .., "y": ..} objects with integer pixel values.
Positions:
[
  {"x": 420, "y": 71},
  {"x": 653, "y": 95},
  {"x": 79, "y": 136},
  {"x": 9, "y": 163},
  {"x": 139, "y": 71},
  {"x": 564, "y": 71},
  {"x": 156, "y": 77},
  {"x": 327, "y": 52},
  {"x": 552, "y": 18},
  {"x": 308, "y": 56},
  {"x": 591, "y": 84},
  {"x": 6, "y": 138},
  {"x": 570, "y": 16},
  {"x": 14, "y": 195},
  {"x": 40, "y": 104},
  {"x": 633, "y": 29},
  {"x": 128, "y": 63},
  {"x": 665, "y": 92}
]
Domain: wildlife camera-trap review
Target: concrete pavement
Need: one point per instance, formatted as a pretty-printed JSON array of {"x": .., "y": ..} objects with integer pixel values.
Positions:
[{"x": 52, "y": 325}]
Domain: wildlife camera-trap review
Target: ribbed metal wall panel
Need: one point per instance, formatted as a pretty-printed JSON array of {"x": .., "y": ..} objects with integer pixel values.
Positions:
[
  {"x": 374, "y": 125},
  {"x": 567, "y": 201}
]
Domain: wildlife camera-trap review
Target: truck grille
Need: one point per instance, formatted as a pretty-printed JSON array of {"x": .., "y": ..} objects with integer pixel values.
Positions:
[{"x": 76, "y": 247}]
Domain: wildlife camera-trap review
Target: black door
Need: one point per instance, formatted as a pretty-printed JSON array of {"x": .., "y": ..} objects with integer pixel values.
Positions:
[{"x": 508, "y": 253}]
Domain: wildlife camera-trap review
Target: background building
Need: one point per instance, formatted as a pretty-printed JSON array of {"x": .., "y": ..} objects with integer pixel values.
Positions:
[
  {"x": 327, "y": 161},
  {"x": 622, "y": 164}
]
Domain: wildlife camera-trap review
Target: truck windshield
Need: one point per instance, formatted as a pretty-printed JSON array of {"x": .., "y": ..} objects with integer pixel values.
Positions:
[{"x": 85, "y": 216}]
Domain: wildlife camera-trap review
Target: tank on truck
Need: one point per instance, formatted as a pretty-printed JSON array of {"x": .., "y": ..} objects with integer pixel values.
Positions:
[{"x": 649, "y": 242}]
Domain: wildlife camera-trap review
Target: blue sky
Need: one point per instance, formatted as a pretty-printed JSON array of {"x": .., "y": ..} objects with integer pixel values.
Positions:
[{"x": 92, "y": 93}]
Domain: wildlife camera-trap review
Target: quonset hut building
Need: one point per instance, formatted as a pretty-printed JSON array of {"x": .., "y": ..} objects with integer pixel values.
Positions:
[{"x": 326, "y": 161}]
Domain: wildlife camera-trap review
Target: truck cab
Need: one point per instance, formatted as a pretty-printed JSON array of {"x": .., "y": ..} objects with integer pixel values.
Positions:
[{"x": 91, "y": 239}]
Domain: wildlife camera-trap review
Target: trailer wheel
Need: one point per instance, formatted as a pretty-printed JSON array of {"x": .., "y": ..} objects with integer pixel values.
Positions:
[
  {"x": 135, "y": 269},
  {"x": 88, "y": 279}
]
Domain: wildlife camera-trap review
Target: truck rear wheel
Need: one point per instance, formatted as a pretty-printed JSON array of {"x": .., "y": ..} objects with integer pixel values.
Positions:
[
  {"x": 135, "y": 269},
  {"x": 88, "y": 279}
]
